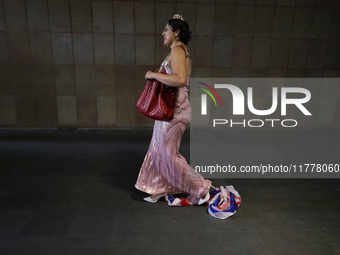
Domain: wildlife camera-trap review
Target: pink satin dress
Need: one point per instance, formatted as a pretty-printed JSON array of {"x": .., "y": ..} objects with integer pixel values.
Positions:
[{"x": 165, "y": 170}]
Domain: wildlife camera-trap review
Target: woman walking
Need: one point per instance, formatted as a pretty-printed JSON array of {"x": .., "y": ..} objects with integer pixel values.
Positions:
[{"x": 164, "y": 170}]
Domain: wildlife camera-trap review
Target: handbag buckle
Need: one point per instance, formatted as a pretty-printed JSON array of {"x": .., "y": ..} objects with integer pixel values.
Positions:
[{"x": 166, "y": 88}]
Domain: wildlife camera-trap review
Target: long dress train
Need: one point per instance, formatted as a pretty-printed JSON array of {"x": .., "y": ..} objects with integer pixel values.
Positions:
[{"x": 165, "y": 170}]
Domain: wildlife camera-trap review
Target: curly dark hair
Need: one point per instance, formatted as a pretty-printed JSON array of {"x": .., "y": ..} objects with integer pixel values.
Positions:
[{"x": 183, "y": 27}]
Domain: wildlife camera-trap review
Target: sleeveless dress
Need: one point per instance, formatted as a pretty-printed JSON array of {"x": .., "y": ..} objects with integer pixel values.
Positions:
[{"x": 165, "y": 170}]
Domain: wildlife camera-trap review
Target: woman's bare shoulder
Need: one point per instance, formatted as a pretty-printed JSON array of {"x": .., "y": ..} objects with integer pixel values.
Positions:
[{"x": 178, "y": 51}]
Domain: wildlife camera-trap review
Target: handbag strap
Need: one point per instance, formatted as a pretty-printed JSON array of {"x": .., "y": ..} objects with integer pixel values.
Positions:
[{"x": 162, "y": 69}]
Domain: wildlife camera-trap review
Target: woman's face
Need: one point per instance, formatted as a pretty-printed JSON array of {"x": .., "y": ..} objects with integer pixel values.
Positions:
[{"x": 168, "y": 35}]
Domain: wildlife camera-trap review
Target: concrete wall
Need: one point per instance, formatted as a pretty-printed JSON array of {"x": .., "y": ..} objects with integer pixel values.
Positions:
[{"x": 81, "y": 63}]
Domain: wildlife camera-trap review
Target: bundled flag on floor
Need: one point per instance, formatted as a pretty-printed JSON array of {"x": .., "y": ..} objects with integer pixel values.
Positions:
[
  {"x": 223, "y": 203},
  {"x": 190, "y": 200}
]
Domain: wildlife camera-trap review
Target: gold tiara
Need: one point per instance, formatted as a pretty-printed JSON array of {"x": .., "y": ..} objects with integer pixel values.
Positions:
[{"x": 178, "y": 16}]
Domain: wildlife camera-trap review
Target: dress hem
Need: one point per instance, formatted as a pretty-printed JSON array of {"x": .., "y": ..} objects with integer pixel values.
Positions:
[{"x": 149, "y": 191}]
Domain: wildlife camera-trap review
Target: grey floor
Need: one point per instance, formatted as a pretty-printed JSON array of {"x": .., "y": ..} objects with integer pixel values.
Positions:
[{"x": 65, "y": 191}]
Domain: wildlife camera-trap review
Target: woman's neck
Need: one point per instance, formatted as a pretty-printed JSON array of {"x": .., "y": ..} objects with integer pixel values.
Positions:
[{"x": 175, "y": 43}]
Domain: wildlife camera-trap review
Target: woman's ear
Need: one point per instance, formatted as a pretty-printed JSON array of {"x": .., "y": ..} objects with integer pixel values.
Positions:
[{"x": 177, "y": 32}]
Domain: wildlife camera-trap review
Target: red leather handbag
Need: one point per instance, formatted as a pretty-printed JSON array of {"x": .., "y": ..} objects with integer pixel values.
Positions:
[{"x": 157, "y": 100}]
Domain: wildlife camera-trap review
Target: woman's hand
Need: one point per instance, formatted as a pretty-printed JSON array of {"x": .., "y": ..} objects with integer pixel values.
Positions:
[{"x": 149, "y": 75}]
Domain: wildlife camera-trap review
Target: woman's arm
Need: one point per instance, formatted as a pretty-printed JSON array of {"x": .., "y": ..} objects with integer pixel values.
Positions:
[{"x": 179, "y": 76}]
